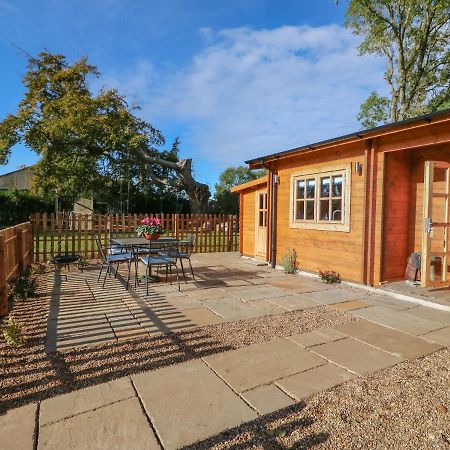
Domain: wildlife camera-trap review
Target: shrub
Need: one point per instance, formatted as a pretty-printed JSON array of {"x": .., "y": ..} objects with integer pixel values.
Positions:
[
  {"x": 12, "y": 332},
  {"x": 289, "y": 262},
  {"x": 82, "y": 264},
  {"x": 24, "y": 287},
  {"x": 329, "y": 277},
  {"x": 38, "y": 268}
]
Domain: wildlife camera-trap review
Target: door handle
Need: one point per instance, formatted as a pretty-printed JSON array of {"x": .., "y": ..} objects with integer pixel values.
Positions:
[{"x": 428, "y": 225}]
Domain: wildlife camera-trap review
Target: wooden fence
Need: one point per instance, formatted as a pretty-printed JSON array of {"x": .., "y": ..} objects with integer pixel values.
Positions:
[
  {"x": 55, "y": 234},
  {"x": 16, "y": 245}
]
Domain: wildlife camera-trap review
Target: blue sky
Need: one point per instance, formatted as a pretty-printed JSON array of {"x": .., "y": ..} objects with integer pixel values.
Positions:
[{"x": 233, "y": 79}]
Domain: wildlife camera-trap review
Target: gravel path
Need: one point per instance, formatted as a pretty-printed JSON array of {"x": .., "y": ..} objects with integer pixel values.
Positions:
[
  {"x": 404, "y": 407},
  {"x": 29, "y": 374}
]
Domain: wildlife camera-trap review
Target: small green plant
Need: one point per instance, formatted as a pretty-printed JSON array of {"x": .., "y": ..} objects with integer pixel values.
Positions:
[
  {"x": 38, "y": 268},
  {"x": 329, "y": 277},
  {"x": 82, "y": 264},
  {"x": 289, "y": 262},
  {"x": 24, "y": 287},
  {"x": 12, "y": 332}
]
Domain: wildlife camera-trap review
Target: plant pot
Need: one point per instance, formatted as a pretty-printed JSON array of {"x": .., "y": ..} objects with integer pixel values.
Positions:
[{"x": 152, "y": 237}]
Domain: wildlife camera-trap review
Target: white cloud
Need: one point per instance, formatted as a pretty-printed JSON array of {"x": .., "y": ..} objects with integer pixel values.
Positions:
[{"x": 251, "y": 92}]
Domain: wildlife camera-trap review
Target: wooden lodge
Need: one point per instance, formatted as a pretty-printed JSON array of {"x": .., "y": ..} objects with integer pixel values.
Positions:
[{"x": 358, "y": 204}]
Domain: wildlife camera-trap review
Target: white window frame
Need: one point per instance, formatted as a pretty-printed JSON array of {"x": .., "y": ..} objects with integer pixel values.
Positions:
[{"x": 316, "y": 224}]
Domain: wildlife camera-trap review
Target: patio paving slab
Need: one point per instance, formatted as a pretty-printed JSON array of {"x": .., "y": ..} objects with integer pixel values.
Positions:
[
  {"x": 179, "y": 303},
  {"x": 67, "y": 405},
  {"x": 356, "y": 356},
  {"x": 397, "y": 319},
  {"x": 207, "y": 294},
  {"x": 249, "y": 367},
  {"x": 350, "y": 306},
  {"x": 118, "y": 426},
  {"x": 17, "y": 428},
  {"x": 266, "y": 399},
  {"x": 310, "y": 382},
  {"x": 389, "y": 302},
  {"x": 294, "y": 302},
  {"x": 393, "y": 341},
  {"x": 268, "y": 306},
  {"x": 334, "y": 295},
  {"x": 234, "y": 309},
  {"x": 435, "y": 315},
  {"x": 316, "y": 337},
  {"x": 441, "y": 336},
  {"x": 188, "y": 402},
  {"x": 299, "y": 285},
  {"x": 259, "y": 293}
]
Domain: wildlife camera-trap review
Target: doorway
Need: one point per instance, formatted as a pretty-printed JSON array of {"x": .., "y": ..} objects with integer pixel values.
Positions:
[
  {"x": 261, "y": 219},
  {"x": 435, "y": 269}
]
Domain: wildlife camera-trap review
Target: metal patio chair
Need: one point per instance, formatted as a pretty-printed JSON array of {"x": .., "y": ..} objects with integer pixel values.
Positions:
[
  {"x": 168, "y": 260},
  {"x": 109, "y": 260},
  {"x": 188, "y": 247}
]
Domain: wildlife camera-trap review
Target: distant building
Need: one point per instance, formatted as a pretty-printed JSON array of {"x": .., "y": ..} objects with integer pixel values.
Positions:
[{"x": 20, "y": 179}]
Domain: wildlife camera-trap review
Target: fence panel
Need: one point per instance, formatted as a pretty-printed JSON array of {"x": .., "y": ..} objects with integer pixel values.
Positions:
[
  {"x": 16, "y": 244},
  {"x": 75, "y": 233}
]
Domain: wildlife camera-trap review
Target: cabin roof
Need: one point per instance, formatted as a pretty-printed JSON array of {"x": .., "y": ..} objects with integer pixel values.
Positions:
[
  {"x": 355, "y": 136},
  {"x": 250, "y": 184}
]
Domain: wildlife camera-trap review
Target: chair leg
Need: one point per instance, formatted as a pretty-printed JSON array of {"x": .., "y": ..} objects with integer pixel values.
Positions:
[
  {"x": 100, "y": 274},
  {"x": 108, "y": 270},
  {"x": 117, "y": 270},
  {"x": 178, "y": 278},
  {"x": 170, "y": 273},
  {"x": 192, "y": 270},
  {"x": 129, "y": 273},
  {"x": 182, "y": 269},
  {"x": 146, "y": 278}
]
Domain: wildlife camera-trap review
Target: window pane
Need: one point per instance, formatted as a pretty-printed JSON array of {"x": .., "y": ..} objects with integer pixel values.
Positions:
[
  {"x": 261, "y": 219},
  {"x": 265, "y": 201},
  {"x": 261, "y": 201},
  {"x": 310, "y": 188},
  {"x": 300, "y": 189},
  {"x": 324, "y": 210},
  {"x": 310, "y": 210},
  {"x": 336, "y": 210},
  {"x": 337, "y": 186},
  {"x": 325, "y": 187},
  {"x": 300, "y": 211}
]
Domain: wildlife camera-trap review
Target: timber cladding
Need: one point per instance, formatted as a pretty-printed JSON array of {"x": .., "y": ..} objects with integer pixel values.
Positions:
[{"x": 319, "y": 249}]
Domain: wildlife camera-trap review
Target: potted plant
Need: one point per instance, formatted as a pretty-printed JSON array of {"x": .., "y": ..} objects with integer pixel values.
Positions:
[{"x": 150, "y": 228}]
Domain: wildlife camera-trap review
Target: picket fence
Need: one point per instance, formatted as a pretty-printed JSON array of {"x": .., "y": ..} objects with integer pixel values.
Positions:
[
  {"x": 16, "y": 245},
  {"x": 55, "y": 234}
]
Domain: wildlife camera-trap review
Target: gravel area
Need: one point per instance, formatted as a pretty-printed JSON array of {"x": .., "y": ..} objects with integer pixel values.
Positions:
[
  {"x": 29, "y": 374},
  {"x": 404, "y": 407}
]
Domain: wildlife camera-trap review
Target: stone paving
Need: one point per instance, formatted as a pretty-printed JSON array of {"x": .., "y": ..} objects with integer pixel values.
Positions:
[{"x": 179, "y": 405}]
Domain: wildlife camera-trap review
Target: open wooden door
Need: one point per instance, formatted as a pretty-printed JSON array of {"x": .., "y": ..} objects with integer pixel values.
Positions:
[
  {"x": 435, "y": 242},
  {"x": 261, "y": 219}
]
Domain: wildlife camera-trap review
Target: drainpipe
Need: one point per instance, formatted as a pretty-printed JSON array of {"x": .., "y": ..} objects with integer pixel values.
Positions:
[{"x": 273, "y": 219}]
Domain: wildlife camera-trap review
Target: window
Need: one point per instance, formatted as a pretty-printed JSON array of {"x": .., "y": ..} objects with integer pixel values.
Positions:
[
  {"x": 262, "y": 210},
  {"x": 321, "y": 200}
]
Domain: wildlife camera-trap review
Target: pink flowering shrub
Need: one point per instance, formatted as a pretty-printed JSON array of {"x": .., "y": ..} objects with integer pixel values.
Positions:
[{"x": 150, "y": 225}]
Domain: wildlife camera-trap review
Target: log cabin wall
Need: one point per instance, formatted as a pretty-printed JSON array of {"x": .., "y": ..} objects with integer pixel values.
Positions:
[{"x": 340, "y": 251}]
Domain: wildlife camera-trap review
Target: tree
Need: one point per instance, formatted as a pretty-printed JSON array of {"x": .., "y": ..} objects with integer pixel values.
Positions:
[
  {"x": 413, "y": 36},
  {"x": 225, "y": 202},
  {"x": 87, "y": 140}
]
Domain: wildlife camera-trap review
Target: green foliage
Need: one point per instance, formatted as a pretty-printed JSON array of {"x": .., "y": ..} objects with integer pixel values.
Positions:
[
  {"x": 289, "y": 262},
  {"x": 38, "y": 268},
  {"x": 413, "y": 38},
  {"x": 82, "y": 264},
  {"x": 225, "y": 202},
  {"x": 16, "y": 206},
  {"x": 374, "y": 111},
  {"x": 329, "y": 277},
  {"x": 24, "y": 287},
  {"x": 12, "y": 332}
]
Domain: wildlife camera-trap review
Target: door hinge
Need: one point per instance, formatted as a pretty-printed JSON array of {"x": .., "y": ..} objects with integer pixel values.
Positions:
[{"x": 428, "y": 225}]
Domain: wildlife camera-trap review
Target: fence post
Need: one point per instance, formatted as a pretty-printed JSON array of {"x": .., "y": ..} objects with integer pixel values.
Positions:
[
  {"x": 19, "y": 248},
  {"x": 3, "y": 285}
]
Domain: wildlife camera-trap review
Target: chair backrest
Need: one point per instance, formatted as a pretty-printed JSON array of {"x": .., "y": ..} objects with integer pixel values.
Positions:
[
  {"x": 100, "y": 247},
  {"x": 172, "y": 249},
  {"x": 191, "y": 246}
]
